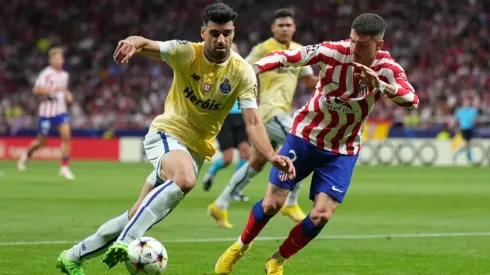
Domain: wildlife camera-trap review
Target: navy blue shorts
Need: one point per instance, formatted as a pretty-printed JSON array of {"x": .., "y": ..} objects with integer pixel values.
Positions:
[
  {"x": 45, "y": 123},
  {"x": 332, "y": 172}
]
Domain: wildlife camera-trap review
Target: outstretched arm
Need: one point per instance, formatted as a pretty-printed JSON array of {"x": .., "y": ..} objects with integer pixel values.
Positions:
[
  {"x": 307, "y": 55},
  {"x": 136, "y": 44}
]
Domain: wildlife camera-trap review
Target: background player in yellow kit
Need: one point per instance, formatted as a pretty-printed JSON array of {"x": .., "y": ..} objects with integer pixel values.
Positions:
[
  {"x": 277, "y": 90},
  {"x": 208, "y": 79}
]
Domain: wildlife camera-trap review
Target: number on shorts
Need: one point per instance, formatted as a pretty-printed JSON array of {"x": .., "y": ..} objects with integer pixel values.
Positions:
[{"x": 294, "y": 155}]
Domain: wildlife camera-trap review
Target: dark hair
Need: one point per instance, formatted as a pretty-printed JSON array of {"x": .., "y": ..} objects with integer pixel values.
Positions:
[
  {"x": 369, "y": 24},
  {"x": 282, "y": 13},
  {"x": 218, "y": 13}
]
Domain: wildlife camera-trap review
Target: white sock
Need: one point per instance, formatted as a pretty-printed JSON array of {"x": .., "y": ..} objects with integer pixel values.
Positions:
[
  {"x": 96, "y": 244},
  {"x": 292, "y": 198},
  {"x": 241, "y": 244},
  {"x": 239, "y": 180},
  {"x": 154, "y": 208}
]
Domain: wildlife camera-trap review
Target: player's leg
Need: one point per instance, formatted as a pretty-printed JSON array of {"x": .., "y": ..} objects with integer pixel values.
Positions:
[
  {"x": 225, "y": 140},
  {"x": 329, "y": 186},
  {"x": 219, "y": 208},
  {"x": 278, "y": 129},
  {"x": 469, "y": 153},
  {"x": 70, "y": 261},
  {"x": 243, "y": 146},
  {"x": 65, "y": 146},
  {"x": 178, "y": 168},
  {"x": 264, "y": 210},
  {"x": 44, "y": 124}
]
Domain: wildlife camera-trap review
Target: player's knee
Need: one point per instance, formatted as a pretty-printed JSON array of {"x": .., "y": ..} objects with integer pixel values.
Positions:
[
  {"x": 227, "y": 157},
  {"x": 185, "y": 181},
  {"x": 244, "y": 150},
  {"x": 42, "y": 140},
  {"x": 321, "y": 216},
  {"x": 65, "y": 138}
]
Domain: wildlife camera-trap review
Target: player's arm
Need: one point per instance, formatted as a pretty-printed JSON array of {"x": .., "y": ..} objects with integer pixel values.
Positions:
[
  {"x": 398, "y": 89},
  {"x": 41, "y": 91},
  {"x": 40, "y": 86},
  {"x": 68, "y": 96},
  {"x": 260, "y": 140},
  {"x": 308, "y": 77},
  {"x": 136, "y": 44},
  {"x": 173, "y": 52},
  {"x": 303, "y": 56}
]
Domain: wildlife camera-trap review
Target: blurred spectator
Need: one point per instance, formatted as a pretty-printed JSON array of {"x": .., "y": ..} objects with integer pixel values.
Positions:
[{"x": 443, "y": 45}]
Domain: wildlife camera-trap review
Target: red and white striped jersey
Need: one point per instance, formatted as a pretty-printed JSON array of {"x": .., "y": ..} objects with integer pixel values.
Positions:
[
  {"x": 55, "y": 103},
  {"x": 333, "y": 118}
]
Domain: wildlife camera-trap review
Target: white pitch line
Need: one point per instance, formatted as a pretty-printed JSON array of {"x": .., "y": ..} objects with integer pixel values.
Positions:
[{"x": 330, "y": 237}]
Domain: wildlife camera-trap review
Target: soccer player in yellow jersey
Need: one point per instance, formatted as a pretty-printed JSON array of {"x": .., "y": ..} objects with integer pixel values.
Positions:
[
  {"x": 277, "y": 90},
  {"x": 208, "y": 79}
]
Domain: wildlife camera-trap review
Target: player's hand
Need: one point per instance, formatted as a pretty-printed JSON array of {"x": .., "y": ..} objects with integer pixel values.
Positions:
[
  {"x": 367, "y": 75},
  {"x": 124, "y": 51},
  {"x": 68, "y": 96},
  {"x": 284, "y": 164}
]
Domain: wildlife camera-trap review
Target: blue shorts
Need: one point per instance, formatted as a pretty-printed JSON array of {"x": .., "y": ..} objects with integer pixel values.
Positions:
[
  {"x": 332, "y": 172},
  {"x": 45, "y": 123}
]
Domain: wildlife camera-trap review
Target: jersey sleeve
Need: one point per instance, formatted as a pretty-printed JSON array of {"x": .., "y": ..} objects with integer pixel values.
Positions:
[
  {"x": 176, "y": 52},
  {"x": 405, "y": 94},
  {"x": 42, "y": 79},
  {"x": 302, "y": 56},
  {"x": 258, "y": 51},
  {"x": 247, "y": 96}
]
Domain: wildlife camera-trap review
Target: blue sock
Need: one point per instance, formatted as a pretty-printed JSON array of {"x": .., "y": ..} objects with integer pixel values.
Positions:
[
  {"x": 259, "y": 214},
  {"x": 241, "y": 162},
  {"x": 469, "y": 155},
  {"x": 310, "y": 229},
  {"x": 216, "y": 165}
]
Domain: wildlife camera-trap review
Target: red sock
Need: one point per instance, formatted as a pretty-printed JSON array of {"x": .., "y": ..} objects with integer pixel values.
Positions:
[
  {"x": 257, "y": 220},
  {"x": 65, "y": 161},
  {"x": 296, "y": 240}
]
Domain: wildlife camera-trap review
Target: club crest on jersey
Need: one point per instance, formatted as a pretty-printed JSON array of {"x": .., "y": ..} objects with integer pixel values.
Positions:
[
  {"x": 363, "y": 89},
  {"x": 206, "y": 87},
  {"x": 225, "y": 86}
]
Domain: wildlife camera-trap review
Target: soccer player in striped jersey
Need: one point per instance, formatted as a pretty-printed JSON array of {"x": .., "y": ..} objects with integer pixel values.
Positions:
[
  {"x": 52, "y": 86},
  {"x": 326, "y": 135},
  {"x": 277, "y": 88}
]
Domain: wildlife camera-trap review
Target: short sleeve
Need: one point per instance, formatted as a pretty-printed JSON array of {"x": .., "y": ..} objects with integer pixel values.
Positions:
[
  {"x": 42, "y": 79},
  {"x": 248, "y": 85},
  {"x": 176, "y": 52}
]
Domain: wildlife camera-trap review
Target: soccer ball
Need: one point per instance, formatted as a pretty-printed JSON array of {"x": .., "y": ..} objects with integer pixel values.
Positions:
[{"x": 146, "y": 256}]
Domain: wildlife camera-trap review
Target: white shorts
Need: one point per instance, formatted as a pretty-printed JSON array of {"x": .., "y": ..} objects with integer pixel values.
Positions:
[
  {"x": 278, "y": 128},
  {"x": 157, "y": 145}
]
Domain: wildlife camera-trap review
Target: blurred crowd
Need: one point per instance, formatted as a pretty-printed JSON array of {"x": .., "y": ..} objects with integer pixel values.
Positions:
[{"x": 443, "y": 45}]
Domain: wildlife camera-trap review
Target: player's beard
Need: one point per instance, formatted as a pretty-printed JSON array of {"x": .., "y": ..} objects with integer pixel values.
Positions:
[{"x": 220, "y": 55}]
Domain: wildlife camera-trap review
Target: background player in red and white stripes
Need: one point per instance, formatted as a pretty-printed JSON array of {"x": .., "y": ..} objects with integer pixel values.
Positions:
[
  {"x": 52, "y": 86},
  {"x": 326, "y": 135}
]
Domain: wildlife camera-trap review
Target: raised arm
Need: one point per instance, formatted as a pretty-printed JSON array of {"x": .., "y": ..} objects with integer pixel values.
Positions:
[{"x": 307, "y": 55}]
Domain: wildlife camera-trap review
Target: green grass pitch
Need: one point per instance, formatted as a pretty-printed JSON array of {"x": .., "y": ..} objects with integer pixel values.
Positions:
[{"x": 394, "y": 220}]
